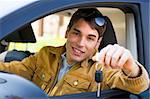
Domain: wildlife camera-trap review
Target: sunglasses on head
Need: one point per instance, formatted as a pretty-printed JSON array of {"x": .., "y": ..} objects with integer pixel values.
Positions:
[{"x": 99, "y": 20}]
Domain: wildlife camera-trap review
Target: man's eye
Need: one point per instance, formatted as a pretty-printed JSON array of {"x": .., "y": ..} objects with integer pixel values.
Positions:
[
  {"x": 75, "y": 33},
  {"x": 89, "y": 38}
]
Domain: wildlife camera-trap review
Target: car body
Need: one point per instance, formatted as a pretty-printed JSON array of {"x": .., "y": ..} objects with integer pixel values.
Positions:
[{"x": 20, "y": 14}]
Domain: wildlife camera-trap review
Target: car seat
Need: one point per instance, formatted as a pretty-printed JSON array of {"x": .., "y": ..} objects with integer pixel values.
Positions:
[
  {"x": 109, "y": 36},
  {"x": 16, "y": 55}
]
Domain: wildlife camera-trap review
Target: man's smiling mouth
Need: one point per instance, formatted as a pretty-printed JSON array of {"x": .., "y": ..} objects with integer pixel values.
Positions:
[{"x": 77, "y": 51}]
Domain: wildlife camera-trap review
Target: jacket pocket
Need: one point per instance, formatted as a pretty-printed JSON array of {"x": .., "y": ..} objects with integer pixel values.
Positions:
[
  {"x": 77, "y": 82},
  {"x": 41, "y": 78}
]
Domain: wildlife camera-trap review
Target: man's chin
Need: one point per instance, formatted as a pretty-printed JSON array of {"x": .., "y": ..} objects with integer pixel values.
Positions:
[{"x": 78, "y": 59}]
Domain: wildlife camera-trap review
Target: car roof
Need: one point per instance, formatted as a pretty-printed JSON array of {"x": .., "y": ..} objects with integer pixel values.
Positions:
[{"x": 9, "y": 6}]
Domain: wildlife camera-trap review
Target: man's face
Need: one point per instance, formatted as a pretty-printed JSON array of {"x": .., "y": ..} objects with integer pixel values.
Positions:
[{"x": 81, "y": 42}]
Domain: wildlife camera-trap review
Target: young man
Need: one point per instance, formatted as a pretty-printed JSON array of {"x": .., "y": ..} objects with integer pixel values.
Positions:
[{"x": 71, "y": 68}]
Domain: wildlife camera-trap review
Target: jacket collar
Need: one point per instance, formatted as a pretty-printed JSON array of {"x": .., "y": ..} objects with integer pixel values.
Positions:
[{"x": 62, "y": 49}]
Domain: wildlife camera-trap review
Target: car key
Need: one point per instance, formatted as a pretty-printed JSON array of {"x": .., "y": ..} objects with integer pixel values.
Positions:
[{"x": 98, "y": 79}]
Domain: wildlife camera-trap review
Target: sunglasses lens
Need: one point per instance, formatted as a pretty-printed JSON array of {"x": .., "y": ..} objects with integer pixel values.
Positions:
[{"x": 100, "y": 21}]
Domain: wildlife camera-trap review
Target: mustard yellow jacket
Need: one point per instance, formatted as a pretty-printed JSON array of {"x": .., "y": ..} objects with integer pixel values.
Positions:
[{"x": 43, "y": 68}]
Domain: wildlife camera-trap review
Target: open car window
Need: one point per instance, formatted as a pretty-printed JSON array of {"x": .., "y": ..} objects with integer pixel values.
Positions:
[{"x": 50, "y": 30}]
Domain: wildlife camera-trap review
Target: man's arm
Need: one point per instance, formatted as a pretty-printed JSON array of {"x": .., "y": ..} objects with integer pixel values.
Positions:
[
  {"x": 23, "y": 68},
  {"x": 115, "y": 56},
  {"x": 132, "y": 76}
]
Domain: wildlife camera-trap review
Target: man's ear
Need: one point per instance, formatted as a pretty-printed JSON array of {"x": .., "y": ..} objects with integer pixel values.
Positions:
[
  {"x": 98, "y": 43},
  {"x": 66, "y": 34},
  {"x": 67, "y": 31}
]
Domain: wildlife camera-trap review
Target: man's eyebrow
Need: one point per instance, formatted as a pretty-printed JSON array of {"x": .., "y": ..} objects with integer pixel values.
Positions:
[
  {"x": 91, "y": 35},
  {"x": 76, "y": 30}
]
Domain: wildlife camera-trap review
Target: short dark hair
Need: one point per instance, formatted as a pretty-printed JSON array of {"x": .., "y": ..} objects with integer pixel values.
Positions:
[{"x": 89, "y": 15}]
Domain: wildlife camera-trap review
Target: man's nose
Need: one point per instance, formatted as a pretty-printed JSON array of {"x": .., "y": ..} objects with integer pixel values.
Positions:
[{"x": 81, "y": 42}]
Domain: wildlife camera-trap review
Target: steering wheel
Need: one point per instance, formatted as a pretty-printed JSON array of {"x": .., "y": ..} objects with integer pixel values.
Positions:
[{"x": 16, "y": 87}]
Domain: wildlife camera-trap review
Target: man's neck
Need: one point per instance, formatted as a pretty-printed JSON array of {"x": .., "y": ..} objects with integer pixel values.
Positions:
[{"x": 69, "y": 62}]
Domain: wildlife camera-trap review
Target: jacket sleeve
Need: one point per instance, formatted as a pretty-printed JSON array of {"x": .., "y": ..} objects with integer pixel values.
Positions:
[
  {"x": 24, "y": 68},
  {"x": 117, "y": 79}
]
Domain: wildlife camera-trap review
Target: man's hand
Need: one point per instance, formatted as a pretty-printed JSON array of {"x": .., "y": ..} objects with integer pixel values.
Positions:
[{"x": 116, "y": 56}]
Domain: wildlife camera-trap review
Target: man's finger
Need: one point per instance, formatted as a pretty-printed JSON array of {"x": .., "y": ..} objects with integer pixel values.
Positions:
[
  {"x": 99, "y": 57},
  {"x": 116, "y": 56},
  {"x": 125, "y": 56},
  {"x": 109, "y": 54}
]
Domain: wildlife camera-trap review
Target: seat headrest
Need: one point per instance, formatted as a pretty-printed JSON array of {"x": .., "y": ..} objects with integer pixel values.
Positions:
[
  {"x": 23, "y": 35},
  {"x": 109, "y": 36}
]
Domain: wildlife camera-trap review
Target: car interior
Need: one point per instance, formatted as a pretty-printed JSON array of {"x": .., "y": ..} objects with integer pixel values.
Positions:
[{"x": 20, "y": 36}]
